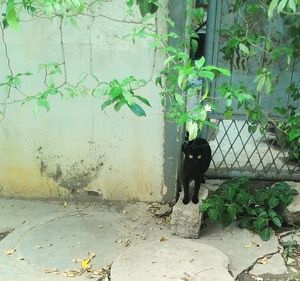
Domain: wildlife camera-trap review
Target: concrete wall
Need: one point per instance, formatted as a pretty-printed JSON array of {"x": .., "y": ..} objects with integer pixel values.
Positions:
[{"x": 77, "y": 147}]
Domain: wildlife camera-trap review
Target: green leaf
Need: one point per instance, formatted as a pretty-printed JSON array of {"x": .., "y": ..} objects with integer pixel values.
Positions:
[
  {"x": 147, "y": 7},
  {"x": 202, "y": 115},
  {"x": 212, "y": 214},
  {"x": 128, "y": 95},
  {"x": 107, "y": 103},
  {"x": 42, "y": 102},
  {"x": 272, "y": 213},
  {"x": 143, "y": 100},
  {"x": 268, "y": 85},
  {"x": 292, "y": 5},
  {"x": 119, "y": 104},
  {"x": 261, "y": 83},
  {"x": 192, "y": 129},
  {"x": 199, "y": 63},
  {"x": 115, "y": 92},
  {"x": 245, "y": 222},
  {"x": 158, "y": 81},
  {"x": 277, "y": 221},
  {"x": 244, "y": 48},
  {"x": 228, "y": 113},
  {"x": 194, "y": 45},
  {"x": 263, "y": 215},
  {"x": 137, "y": 110},
  {"x": 231, "y": 209},
  {"x": 11, "y": 15},
  {"x": 281, "y": 6},
  {"x": 272, "y": 7},
  {"x": 179, "y": 99},
  {"x": 223, "y": 71},
  {"x": 259, "y": 224},
  {"x": 273, "y": 202},
  {"x": 129, "y": 3},
  {"x": 206, "y": 74},
  {"x": 230, "y": 192},
  {"x": 265, "y": 234},
  {"x": 182, "y": 81}
]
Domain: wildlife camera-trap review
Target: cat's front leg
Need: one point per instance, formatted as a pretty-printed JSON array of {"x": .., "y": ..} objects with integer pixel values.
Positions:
[
  {"x": 195, "y": 199},
  {"x": 202, "y": 178},
  {"x": 186, "y": 197}
]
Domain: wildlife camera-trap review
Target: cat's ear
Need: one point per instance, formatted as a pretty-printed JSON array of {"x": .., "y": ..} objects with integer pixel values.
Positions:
[
  {"x": 184, "y": 146},
  {"x": 187, "y": 136}
]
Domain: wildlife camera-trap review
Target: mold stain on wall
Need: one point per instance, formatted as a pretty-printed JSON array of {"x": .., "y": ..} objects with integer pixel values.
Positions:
[{"x": 74, "y": 177}]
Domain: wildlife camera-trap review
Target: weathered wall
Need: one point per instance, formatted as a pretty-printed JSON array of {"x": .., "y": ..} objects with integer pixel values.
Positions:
[{"x": 77, "y": 147}]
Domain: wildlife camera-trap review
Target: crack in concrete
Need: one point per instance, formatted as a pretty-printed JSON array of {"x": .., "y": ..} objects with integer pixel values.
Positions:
[
  {"x": 5, "y": 233},
  {"x": 249, "y": 268}
]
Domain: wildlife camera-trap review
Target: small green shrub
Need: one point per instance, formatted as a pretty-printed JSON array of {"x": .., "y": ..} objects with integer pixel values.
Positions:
[{"x": 259, "y": 211}]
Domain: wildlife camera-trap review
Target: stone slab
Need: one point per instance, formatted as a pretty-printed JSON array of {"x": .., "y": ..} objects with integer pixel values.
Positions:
[
  {"x": 292, "y": 238},
  {"x": 242, "y": 246},
  {"x": 186, "y": 219},
  {"x": 292, "y": 214},
  {"x": 274, "y": 266},
  {"x": 174, "y": 259}
]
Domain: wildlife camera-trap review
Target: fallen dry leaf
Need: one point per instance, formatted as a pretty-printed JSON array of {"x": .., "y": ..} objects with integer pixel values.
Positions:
[
  {"x": 247, "y": 246},
  {"x": 72, "y": 272},
  {"x": 125, "y": 212},
  {"x": 127, "y": 243},
  {"x": 264, "y": 260},
  {"x": 9, "y": 252},
  {"x": 51, "y": 270},
  {"x": 162, "y": 239}
]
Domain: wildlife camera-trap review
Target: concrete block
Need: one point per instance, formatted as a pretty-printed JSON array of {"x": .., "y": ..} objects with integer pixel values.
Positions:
[
  {"x": 186, "y": 219},
  {"x": 292, "y": 214}
]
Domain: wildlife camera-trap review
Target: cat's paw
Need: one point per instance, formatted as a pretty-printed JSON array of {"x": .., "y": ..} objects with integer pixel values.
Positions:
[
  {"x": 185, "y": 201},
  {"x": 195, "y": 200}
]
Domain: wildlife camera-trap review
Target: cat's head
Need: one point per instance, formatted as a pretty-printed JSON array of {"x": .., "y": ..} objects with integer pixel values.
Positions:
[
  {"x": 193, "y": 151},
  {"x": 197, "y": 149}
]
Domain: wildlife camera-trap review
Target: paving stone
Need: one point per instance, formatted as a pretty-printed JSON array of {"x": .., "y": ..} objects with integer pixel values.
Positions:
[
  {"x": 242, "y": 246},
  {"x": 292, "y": 214},
  {"x": 173, "y": 259},
  {"x": 275, "y": 266},
  {"x": 295, "y": 238},
  {"x": 186, "y": 219}
]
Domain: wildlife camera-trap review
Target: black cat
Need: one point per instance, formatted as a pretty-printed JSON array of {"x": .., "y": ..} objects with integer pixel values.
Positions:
[{"x": 197, "y": 158}]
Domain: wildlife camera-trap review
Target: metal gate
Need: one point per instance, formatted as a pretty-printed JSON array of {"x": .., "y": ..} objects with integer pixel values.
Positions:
[{"x": 236, "y": 151}]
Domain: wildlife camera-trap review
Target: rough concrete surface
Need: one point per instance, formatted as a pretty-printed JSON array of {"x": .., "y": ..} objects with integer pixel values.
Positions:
[
  {"x": 292, "y": 213},
  {"x": 291, "y": 238},
  {"x": 274, "y": 265},
  {"x": 186, "y": 219},
  {"x": 174, "y": 259},
  {"x": 50, "y": 235},
  {"x": 241, "y": 246}
]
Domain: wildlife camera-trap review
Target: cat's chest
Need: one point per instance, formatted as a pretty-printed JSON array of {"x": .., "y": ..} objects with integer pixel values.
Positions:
[{"x": 192, "y": 167}]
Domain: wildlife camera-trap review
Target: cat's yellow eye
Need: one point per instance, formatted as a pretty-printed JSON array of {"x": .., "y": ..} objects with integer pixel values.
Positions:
[
  {"x": 199, "y": 156},
  {"x": 191, "y": 156}
]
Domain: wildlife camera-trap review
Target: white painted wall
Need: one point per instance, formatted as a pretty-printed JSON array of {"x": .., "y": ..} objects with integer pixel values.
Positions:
[{"x": 76, "y": 145}]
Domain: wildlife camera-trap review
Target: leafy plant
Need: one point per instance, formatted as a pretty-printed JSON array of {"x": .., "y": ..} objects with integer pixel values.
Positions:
[
  {"x": 254, "y": 44},
  {"x": 259, "y": 211}
]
